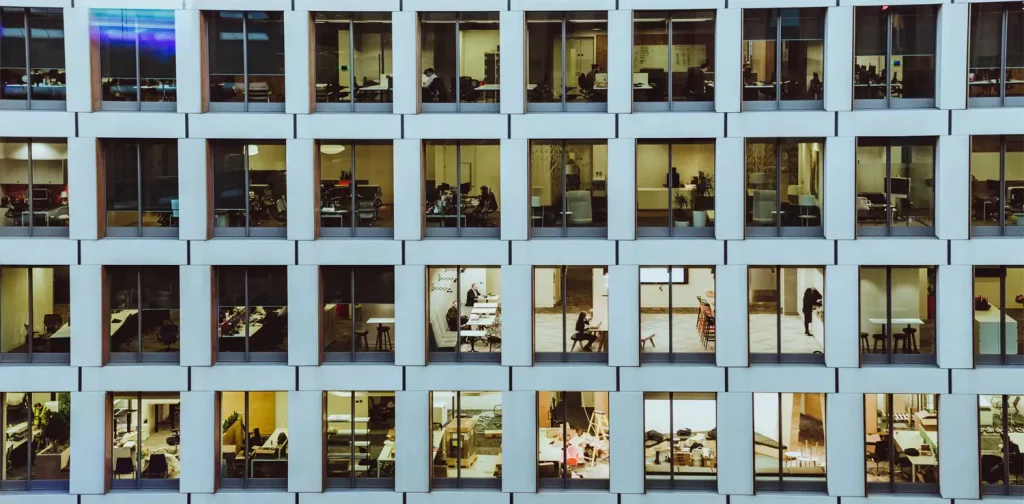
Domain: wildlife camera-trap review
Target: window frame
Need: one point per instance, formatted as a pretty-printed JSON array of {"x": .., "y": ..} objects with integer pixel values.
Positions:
[
  {"x": 353, "y": 355},
  {"x": 138, "y": 231},
  {"x": 139, "y": 356},
  {"x": 458, "y": 355},
  {"x": 1003, "y": 358},
  {"x": 1003, "y": 229},
  {"x": 890, "y": 229},
  {"x": 460, "y": 230},
  {"x": 458, "y": 482},
  {"x": 671, "y": 356},
  {"x": 566, "y": 482},
  {"x": 892, "y": 487},
  {"x": 28, "y": 103},
  {"x": 890, "y": 357},
  {"x": 30, "y": 484},
  {"x": 993, "y": 101},
  {"x": 675, "y": 482},
  {"x": 31, "y": 356},
  {"x": 458, "y": 105},
  {"x": 246, "y": 355},
  {"x": 138, "y": 482},
  {"x": 32, "y": 230},
  {"x": 565, "y": 230},
  {"x": 566, "y": 355},
  {"x": 888, "y": 102},
  {"x": 209, "y": 21},
  {"x": 782, "y": 483},
  {"x": 780, "y": 357},
  {"x": 353, "y": 481},
  {"x": 778, "y": 103},
  {"x": 139, "y": 104},
  {"x": 348, "y": 231},
  {"x": 249, "y": 230},
  {"x": 247, "y": 481},
  {"x": 563, "y": 105},
  {"x": 779, "y": 230},
  {"x": 671, "y": 102},
  {"x": 1006, "y": 487},
  {"x": 670, "y": 230},
  {"x": 386, "y": 103}
]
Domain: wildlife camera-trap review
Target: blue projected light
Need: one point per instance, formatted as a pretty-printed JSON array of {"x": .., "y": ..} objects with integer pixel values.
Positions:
[{"x": 153, "y": 28}]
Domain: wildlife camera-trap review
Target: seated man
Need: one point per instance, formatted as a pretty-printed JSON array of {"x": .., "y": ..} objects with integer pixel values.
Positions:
[{"x": 455, "y": 321}]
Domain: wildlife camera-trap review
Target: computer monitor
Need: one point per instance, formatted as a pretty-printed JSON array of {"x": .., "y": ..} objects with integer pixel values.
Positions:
[
  {"x": 1016, "y": 196},
  {"x": 899, "y": 185}
]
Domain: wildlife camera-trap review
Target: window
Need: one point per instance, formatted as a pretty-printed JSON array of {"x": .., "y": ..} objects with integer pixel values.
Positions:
[
  {"x": 894, "y": 297},
  {"x": 464, "y": 313},
  {"x": 360, "y": 448},
  {"x": 143, "y": 308},
  {"x": 246, "y": 67},
  {"x": 1002, "y": 437},
  {"x": 254, "y": 439},
  {"x": 786, "y": 317},
  {"x": 686, "y": 79},
  {"x": 566, "y": 61},
  {"x": 677, "y": 314},
  {"x": 895, "y": 186},
  {"x": 996, "y": 50},
  {"x": 252, "y": 313},
  {"x": 460, "y": 61},
  {"x": 999, "y": 314},
  {"x": 249, "y": 188},
  {"x": 688, "y": 208},
  {"x": 783, "y": 42},
  {"x": 37, "y": 440},
  {"x": 145, "y": 440},
  {"x": 785, "y": 187},
  {"x": 357, "y": 179},
  {"x": 570, "y": 314},
  {"x": 997, "y": 185},
  {"x": 466, "y": 432},
  {"x": 39, "y": 331},
  {"x": 141, "y": 180},
  {"x": 789, "y": 457},
  {"x": 32, "y": 68},
  {"x": 898, "y": 427},
  {"x": 463, "y": 188},
  {"x": 353, "y": 60},
  {"x": 34, "y": 181},
  {"x": 894, "y": 56},
  {"x": 573, "y": 443},
  {"x": 137, "y": 58},
  {"x": 359, "y": 313},
  {"x": 680, "y": 440},
  {"x": 569, "y": 188}
]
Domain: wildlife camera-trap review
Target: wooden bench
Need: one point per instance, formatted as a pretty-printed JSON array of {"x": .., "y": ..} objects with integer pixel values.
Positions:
[{"x": 645, "y": 339}]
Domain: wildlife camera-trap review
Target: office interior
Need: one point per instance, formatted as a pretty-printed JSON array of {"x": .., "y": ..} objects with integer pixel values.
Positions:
[
  {"x": 357, "y": 185},
  {"x": 360, "y": 434},
  {"x": 568, "y": 183},
  {"x": 901, "y": 438},
  {"x": 785, "y": 183},
  {"x": 246, "y": 56},
  {"x": 353, "y": 57},
  {"x": 358, "y": 302},
  {"x": 143, "y": 309},
  {"x": 999, "y": 310},
  {"x": 464, "y": 309},
  {"x": 42, "y": 325},
  {"x": 460, "y": 179},
  {"x": 141, "y": 181},
  {"x": 908, "y": 72},
  {"x": 692, "y": 46},
  {"x": 1001, "y": 425},
  {"x": 573, "y": 439},
  {"x": 254, "y": 435},
  {"x": 988, "y": 42},
  {"x": 34, "y": 185},
  {"x": 460, "y": 47},
  {"x": 677, "y": 310},
  {"x": 997, "y": 160},
  {"x": 895, "y": 182},
  {"x": 570, "y": 309},
  {"x": 909, "y": 292},
  {"x": 575, "y": 41},
  {"x": 252, "y": 311},
  {"x": 136, "y": 54},
  {"x": 37, "y": 428},
  {"x": 785, "y": 310},
  {"x": 43, "y": 77},
  {"x": 680, "y": 436},
  {"x": 146, "y": 430},
  {"x": 466, "y": 435},
  {"x": 789, "y": 437},
  {"x": 249, "y": 184},
  {"x": 801, "y": 33},
  {"x": 688, "y": 168}
]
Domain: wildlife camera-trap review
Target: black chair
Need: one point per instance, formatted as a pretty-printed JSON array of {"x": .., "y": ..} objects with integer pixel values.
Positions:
[
  {"x": 991, "y": 469},
  {"x": 880, "y": 455},
  {"x": 467, "y": 89},
  {"x": 168, "y": 335},
  {"x": 122, "y": 466},
  {"x": 905, "y": 467},
  {"x": 255, "y": 439},
  {"x": 383, "y": 341},
  {"x": 175, "y": 438},
  {"x": 52, "y": 322},
  {"x": 865, "y": 348},
  {"x": 549, "y": 470},
  {"x": 157, "y": 466},
  {"x": 879, "y": 338},
  {"x": 361, "y": 339}
]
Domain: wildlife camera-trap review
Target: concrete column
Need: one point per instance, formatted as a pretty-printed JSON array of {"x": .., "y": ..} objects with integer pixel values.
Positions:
[
  {"x": 954, "y": 314},
  {"x": 84, "y": 192},
  {"x": 842, "y": 320},
  {"x": 405, "y": 56},
  {"x": 728, "y": 64},
  {"x": 190, "y": 62},
  {"x": 952, "y": 192},
  {"x": 519, "y": 428},
  {"x": 90, "y": 436},
  {"x": 409, "y": 197},
  {"x": 622, "y": 187},
  {"x": 838, "y": 59},
  {"x": 951, "y": 67},
  {"x": 513, "y": 40},
  {"x": 735, "y": 442},
  {"x": 412, "y": 431},
  {"x": 299, "y": 77},
  {"x": 958, "y": 447},
  {"x": 517, "y": 315},
  {"x": 624, "y": 315},
  {"x": 197, "y": 319},
  {"x": 411, "y": 316},
  {"x": 844, "y": 441},
  {"x": 627, "y": 466},
  {"x": 88, "y": 344},
  {"x": 195, "y": 189},
  {"x": 82, "y": 62},
  {"x": 306, "y": 441},
  {"x": 305, "y": 307},
  {"x": 840, "y": 201},
  {"x": 515, "y": 186},
  {"x": 620, "y": 62},
  {"x": 730, "y": 190},
  {"x": 200, "y": 438},
  {"x": 303, "y": 189},
  {"x": 732, "y": 342}
]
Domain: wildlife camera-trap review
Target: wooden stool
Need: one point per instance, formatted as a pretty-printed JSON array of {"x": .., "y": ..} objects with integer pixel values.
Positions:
[
  {"x": 879, "y": 338},
  {"x": 383, "y": 338},
  {"x": 865, "y": 348},
  {"x": 911, "y": 339},
  {"x": 361, "y": 339}
]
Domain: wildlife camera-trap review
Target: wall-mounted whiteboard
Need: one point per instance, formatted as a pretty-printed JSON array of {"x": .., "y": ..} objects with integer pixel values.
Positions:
[
  {"x": 656, "y": 56},
  {"x": 661, "y": 275}
]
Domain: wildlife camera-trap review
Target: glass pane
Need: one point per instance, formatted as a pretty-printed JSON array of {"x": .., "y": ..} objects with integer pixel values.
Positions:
[
  {"x": 375, "y": 306},
  {"x": 546, "y": 172},
  {"x": 360, "y": 436},
  {"x": 157, "y": 58},
  {"x": 332, "y": 57},
  {"x": 762, "y": 183},
  {"x": 992, "y": 432},
  {"x": 912, "y": 186},
  {"x": 874, "y": 301},
  {"x": 479, "y": 59},
  {"x": 985, "y": 174},
  {"x": 46, "y": 52},
  {"x": 871, "y": 35},
  {"x": 913, "y": 51},
  {"x": 650, "y": 56},
  {"x": 915, "y": 423},
  {"x": 375, "y": 185},
  {"x": 653, "y": 177},
  {"x": 586, "y": 180},
  {"x": 268, "y": 206},
  {"x": 685, "y": 446},
  {"x": 471, "y": 317},
  {"x": 872, "y": 205},
  {"x": 1015, "y": 180},
  {"x": 693, "y": 56},
  {"x": 802, "y": 183},
  {"x": 876, "y": 442},
  {"x": 803, "y": 54},
  {"x": 985, "y": 49},
  {"x": 268, "y": 440},
  {"x": 544, "y": 57},
  {"x": 373, "y": 40},
  {"x": 586, "y": 309},
  {"x": 161, "y": 316},
  {"x": 768, "y": 448},
  {"x": 51, "y": 309},
  {"x": 481, "y": 174},
  {"x": 338, "y": 310},
  {"x": 1015, "y": 51},
  {"x": 438, "y": 57},
  {"x": 235, "y": 437},
  {"x": 336, "y": 184},
  {"x": 19, "y": 421},
  {"x": 51, "y": 426},
  {"x": 804, "y": 439},
  {"x": 763, "y": 310},
  {"x": 913, "y": 310},
  {"x": 268, "y": 309},
  {"x": 13, "y": 69},
  {"x": 123, "y": 298},
  {"x": 229, "y": 198},
  {"x": 573, "y": 435},
  {"x": 161, "y": 435},
  {"x": 656, "y": 309},
  {"x": 159, "y": 171},
  {"x": 114, "y": 31},
  {"x": 549, "y": 324},
  {"x": 467, "y": 446},
  {"x": 231, "y": 314},
  {"x": 227, "y": 56},
  {"x": 441, "y": 183},
  {"x": 586, "y": 56},
  {"x": 125, "y": 413},
  {"x": 803, "y": 313},
  {"x": 265, "y": 62},
  {"x": 760, "y": 33},
  {"x": 121, "y": 173},
  {"x": 50, "y": 183}
]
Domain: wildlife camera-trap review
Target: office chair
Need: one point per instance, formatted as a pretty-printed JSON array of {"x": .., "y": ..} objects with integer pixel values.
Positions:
[
  {"x": 255, "y": 439},
  {"x": 157, "y": 466},
  {"x": 122, "y": 466},
  {"x": 175, "y": 438},
  {"x": 880, "y": 455},
  {"x": 991, "y": 469},
  {"x": 168, "y": 335},
  {"x": 52, "y": 322},
  {"x": 579, "y": 203},
  {"x": 467, "y": 89},
  {"x": 763, "y": 206}
]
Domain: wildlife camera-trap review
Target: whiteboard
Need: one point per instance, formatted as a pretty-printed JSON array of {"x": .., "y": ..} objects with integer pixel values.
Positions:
[
  {"x": 656, "y": 56},
  {"x": 660, "y": 275}
]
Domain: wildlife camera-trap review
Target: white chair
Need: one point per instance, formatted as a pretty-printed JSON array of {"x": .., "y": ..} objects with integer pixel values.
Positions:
[
  {"x": 764, "y": 206},
  {"x": 578, "y": 203}
]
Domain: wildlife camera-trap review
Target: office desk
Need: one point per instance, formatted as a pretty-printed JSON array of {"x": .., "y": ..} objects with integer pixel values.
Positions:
[
  {"x": 486, "y": 305},
  {"x": 332, "y": 213},
  {"x": 988, "y": 325},
  {"x": 270, "y": 443},
  {"x": 472, "y": 337},
  {"x": 387, "y": 454},
  {"x": 913, "y": 439},
  {"x": 118, "y": 319},
  {"x": 602, "y": 336},
  {"x": 63, "y": 332},
  {"x": 381, "y": 320},
  {"x": 657, "y": 198},
  {"x": 483, "y": 311}
]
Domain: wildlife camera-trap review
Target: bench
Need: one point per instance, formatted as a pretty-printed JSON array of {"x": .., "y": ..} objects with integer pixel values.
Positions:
[{"x": 645, "y": 339}]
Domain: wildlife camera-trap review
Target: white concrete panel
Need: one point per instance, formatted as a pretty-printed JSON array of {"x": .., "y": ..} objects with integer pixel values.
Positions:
[
  {"x": 624, "y": 315},
  {"x": 456, "y": 126},
  {"x": 842, "y": 336},
  {"x": 954, "y": 313},
  {"x": 306, "y": 441},
  {"x": 63, "y": 4},
  {"x": 91, "y": 440},
  {"x": 83, "y": 188},
  {"x": 305, "y": 307},
  {"x": 782, "y": 123},
  {"x": 39, "y": 251},
  {"x": 247, "y": 497},
  {"x": 197, "y": 318},
  {"x": 410, "y": 315},
  {"x": 137, "y": 378},
  {"x": 958, "y": 421},
  {"x": 515, "y": 189},
  {"x": 622, "y": 189},
  {"x": 385, "y": 377},
  {"x": 519, "y": 427},
  {"x": 405, "y": 51},
  {"x": 88, "y": 342},
  {"x": 195, "y": 187},
  {"x": 486, "y": 377},
  {"x": 243, "y": 252},
  {"x": 669, "y": 4},
  {"x": 563, "y": 377},
  {"x": 130, "y": 4},
  {"x": 250, "y": 377},
  {"x": 135, "y": 252},
  {"x": 348, "y": 5},
  {"x": 564, "y": 252},
  {"x": 200, "y": 436},
  {"x": 440, "y": 252},
  {"x": 782, "y": 251},
  {"x": 673, "y": 498},
  {"x": 988, "y": 121},
  {"x": 517, "y": 315},
  {"x": 894, "y": 123},
  {"x": 241, "y": 125},
  {"x": 840, "y": 201},
  {"x": 893, "y": 379},
  {"x": 131, "y": 125},
  {"x": 620, "y": 62},
  {"x": 512, "y": 72},
  {"x": 454, "y": 5},
  {"x": 858, "y": 3},
  {"x": 565, "y": 498},
  {"x": 30, "y": 378},
  {"x": 37, "y": 123},
  {"x": 303, "y": 188},
  {"x": 190, "y": 61},
  {"x": 563, "y": 125},
  {"x": 844, "y": 441},
  {"x": 783, "y": 498},
  {"x": 658, "y": 252},
  {"x": 412, "y": 421},
  {"x": 756, "y": 4},
  {"x": 984, "y": 251},
  {"x": 79, "y": 60},
  {"x": 952, "y": 186},
  {"x": 782, "y": 377},
  {"x": 298, "y": 63},
  {"x": 732, "y": 344},
  {"x": 951, "y": 67},
  {"x": 455, "y": 496},
  {"x": 879, "y": 251},
  {"x": 729, "y": 189},
  {"x": 342, "y": 126},
  {"x": 627, "y": 466},
  {"x": 569, "y": 5},
  {"x": 735, "y": 443},
  {"x": 352, "y": 252},
  {"x": 662, "y": 125},
  {"x": 149, "y": 497},
  {"x": 278, "y": 5},
  {"x": 374, "y": 496},
  {"x": 409, "y": 197},
  {"x": 838, "y": 58},
  {"x": 728, "y": 60},
  {"x": 672, "y": 378},
  {"x": 989, "y": 380}
]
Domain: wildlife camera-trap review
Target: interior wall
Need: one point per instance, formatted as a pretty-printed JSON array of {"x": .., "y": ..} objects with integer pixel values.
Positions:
[
  {"x": 698, "y": 415},
  {"x": 909, "y": 294},
  {"x": 481, "y": 166},
  {"x": 989, "y": 288},
  {"x": 269, "y": 157},
  {"x": 266, "y": 410},
  {"x": 547, "y": 287},
  {"x": 475, "y": 44},
  {"x": 14, "y": 304},
  {"x": 374, "y": 163},
  {"x": 688, "y": 159},
  {"x": 699, "y": 281}
]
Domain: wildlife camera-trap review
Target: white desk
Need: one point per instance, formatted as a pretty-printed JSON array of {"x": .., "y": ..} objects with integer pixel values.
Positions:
[
  {"x": 118, "y": 318},
  {"x": 483, "y": 311},
  {"x": 486, "y": 305},
  {"x": 381, "y": 320},
  {"x": 913, "y": 439},
  {"x": 488, "y": 87},
  {"x": 988, "y": 325},
  {"x": 897, "y": 321},
  {"x": 63, "y": 332}
]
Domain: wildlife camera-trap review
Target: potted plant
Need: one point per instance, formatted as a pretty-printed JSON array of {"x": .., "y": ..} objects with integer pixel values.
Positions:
[
  {"x": 703, "y": 198},
  {"x": 683, "y": 213},
  {"x": 55, "y": 431}
]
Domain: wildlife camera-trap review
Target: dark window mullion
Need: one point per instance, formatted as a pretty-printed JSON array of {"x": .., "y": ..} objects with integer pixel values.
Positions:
[
  {"x": 782, "y": 450},
  {"x": 31, "y": 315},
  {"x": 888, "y": 187},
  {"x": 458, "y": 438},
  {"x": 458, "y": 316},
  {"x": 31, "y": 177},
  {"x": 458, "y": 179},
  {"x": 352, "y": 300},
  {"x": 138, "y": 318},
  {"x": 888, "y": 316},
  {"x": 888, "y": 64},
  {"x": 778, "y": 182},
  {"x": 778, "y": 317},
  {"x": 671, "y": 184},
  {"x": 669, "y": 22},
  {"x": 562, "y": 283},
  {"x": 1002, "y": 61},
  {"x": 138, "y": 181},
  {"x": 138, "y": 75},
  {"x": 670, "y": 285},
  {"x": 245, "y": 431},
  {"x": 247, "y": 314},
  {"x": 138, "y": 435},
  {"x": 671, "y": 429},
  {"x": 891, "y": 441},
  {"x": 245, "y": 73},
  {"x": 1001, "y": 202},
  {"x": 352, "y": 436},
  {"x": 28, "y": 69}
]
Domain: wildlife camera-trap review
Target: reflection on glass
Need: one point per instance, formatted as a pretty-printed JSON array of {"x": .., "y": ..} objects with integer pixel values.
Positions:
[
  {"x": 356, "y": 185},
  {"x": 438, "y": 57},
  {"x": 360, "y": 437},
  {"x": 803, "y": 54},
  {"x": 650, "y": 35},
  {"x": 569, "y": 184},
  {"x": 786, "y": 314},
  {"x": 462, "y": 184},
  {"x": 895, "y": 184},
  {"x": 693, "y": 56},
  {"x": 789, "y": 439},
  {"x": 689, "y": 169},
  {"x": 900, "y": 426},
  {"x": 677, "y": 310},
  {"x": 246, "y": 47},
  {"x": 681, "y": 442},
  {"x": 42, "y": 326},
  {"x": 35, "y": 187},
  {"x": 1015, "y": 52},
  {"x": 136, "y": 53},
  {"x": 760, "y": 34},
  {"x": 156, "y": 163},
  {"x": 249, "y": 184},
  {"x": 997, "y": 184},
  {"x": 573, "y": 439},
  {"x": 36, "y": 436},
  {"x": 39, "y": 72},
  {"x": 986, "y": 47},
  {"x": 352, "y": 57},
  {"x": 463, "y": 428},
  {"x": 897, "y": 312},
  {"x": 366, "y": 324},
  {"x": 145, "y": 436},
  {"x": 254, "y": 436},
  {"x": 785, "y": 183},
  {"x": 567, "y": 53},
  {"x": 143, "y": 303},
  {"x": 895, "y": 52}
]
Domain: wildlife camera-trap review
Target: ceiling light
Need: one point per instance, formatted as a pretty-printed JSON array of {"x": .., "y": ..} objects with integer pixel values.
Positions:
[
  {"x": 332, "y": 149},
  {"x": 252, "y": 150}
]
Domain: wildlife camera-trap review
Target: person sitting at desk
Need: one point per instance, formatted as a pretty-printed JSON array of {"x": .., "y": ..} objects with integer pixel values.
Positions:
[
  {"x": 582, "y": 323},
  {"x": 815, "y": 88},
  {"x": 672, "y": 179},
  {"x": 472, "y": 295},
  {"x": 433, "y": 87},
  {"x": 455, "y": 321}
]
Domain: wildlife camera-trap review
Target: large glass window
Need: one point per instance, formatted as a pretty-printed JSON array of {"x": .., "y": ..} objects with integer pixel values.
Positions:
[
  {"x": 680, "y": 440},
  {"x": 566, "y": 61},
  {"x": 246, "y": 60},
  {"x": 249, "y": 188},
  {"x": 254, "y": 439},
  {"x": 670, "y": 203},
  {"x": 360, "y": 450},
  {"x": 786, "y": 43},
  {"x": 143, "y": 309},
  {"x": 570, "y": 314},
  {"x": 569, "y": 188},
  {"x": 462, "y": 188},
  {"x": 137, "y": 58},
  {"x": 997, "y": 185},
  {"x": 996, "y": 67},
  {"x": 34, "y": 183},
  {"x": 573, "y": 443},
  {"x": 40, "y": 330},
  {"x": 785, "y": 187},
  {"x": 895, "y": 186},
  {"x": 786, "y": 317},
  {"x": 999, "y": 314},
  {"x": 145, "y": 440},
  {"x": 680, "y": 79},
  {"x": 464, "y": 313},
  {"x": 677, "y": 314},
  {"x": 357, "y": 188},
  {"x": 897, "y": 315},
  {"x": 252, "y": 313},
  {"x": 353, "y": 60},
  {"x": 460, "y": 61},
  {"x": 901, "y": 442},
  {"x": 32, "y": 68},
  {"x": 359, "y": 313},
  {"x": 894, "y": 56},
  {"x": 789, "y": 441},
  {"x": 36, "y": 439},
  {"x": 1001, "y": 427},
  {"x": 141, "y": 181},
  {"x": 466, "y": 431}
]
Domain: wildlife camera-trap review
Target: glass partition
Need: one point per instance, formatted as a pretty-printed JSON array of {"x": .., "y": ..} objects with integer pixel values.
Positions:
[
  {"x": 137, "y": 58},
  {"x": 786, "y": 314},
  {"x": 145, "y": 440},
  {"x": 901, "y": 442},
  {"x": 141, "y": 179},
  {"x": 897, "y": 315},
  {"x": 677, "y": 314},
  {"x": 785, "y": 187},
  {"x": 999, "y": 315},
  {"x": 252, "y": 313},
  {"x": 353, "y": 61},
  {"x": 254, "y": 439},
  {"x": 249, "y": 188},
  {"x": 466, "y": 437},
  {"x": 464, "y": 313},
  {"x": 36, "y": 437},
  {"x": 894, "y": 56},
  {"x": 360, "y": 449},
  {"x": 566, "y": 61}
]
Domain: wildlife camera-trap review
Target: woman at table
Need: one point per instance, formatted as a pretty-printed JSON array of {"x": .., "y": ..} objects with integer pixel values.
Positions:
[
  {"x": 472, "y": 295},
  {"x": 582, "y": 323}
]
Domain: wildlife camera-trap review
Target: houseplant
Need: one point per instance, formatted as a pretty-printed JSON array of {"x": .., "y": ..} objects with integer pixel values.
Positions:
[
  {"x": 703, "y": 198},
  {"x": 55, "y": 431},
  {"x": 682, "y": 213}
]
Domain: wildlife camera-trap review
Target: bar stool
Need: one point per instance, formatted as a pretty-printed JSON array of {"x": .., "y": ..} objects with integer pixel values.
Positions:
[
  {"x": 879, "y": 338},
  {"x": 361, "y": 339},
  {"x": 911, "y": 339},
  {"x": 383, "y": 338},
  {"x": 865, "y": 348}
]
